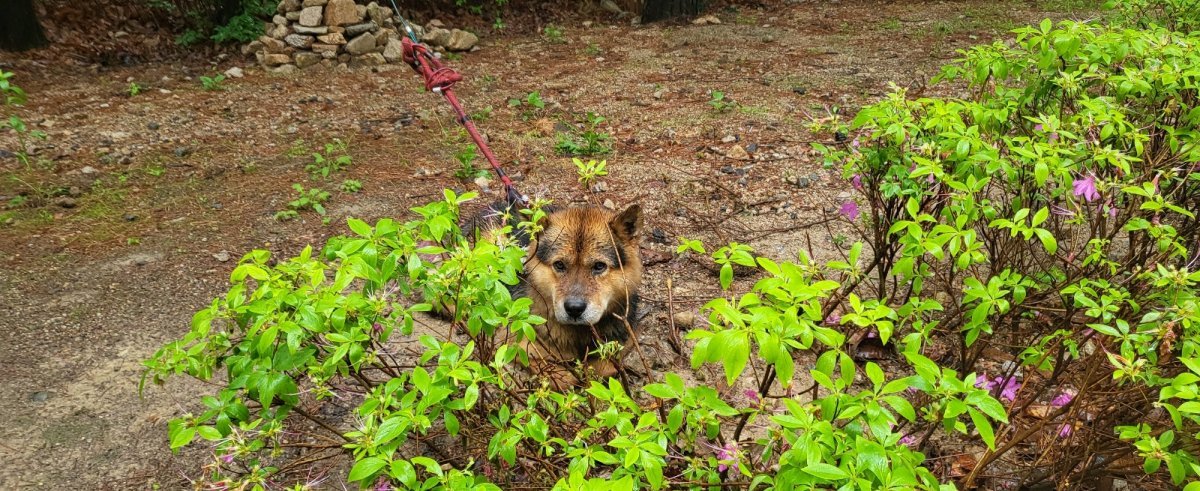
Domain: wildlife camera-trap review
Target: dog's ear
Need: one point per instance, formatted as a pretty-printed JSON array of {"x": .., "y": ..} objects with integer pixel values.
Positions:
[{"x": 628, "y": 223}]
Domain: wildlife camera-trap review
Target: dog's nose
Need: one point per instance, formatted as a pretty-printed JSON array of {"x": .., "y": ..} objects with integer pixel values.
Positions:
[{"x": 574, "y": 307}]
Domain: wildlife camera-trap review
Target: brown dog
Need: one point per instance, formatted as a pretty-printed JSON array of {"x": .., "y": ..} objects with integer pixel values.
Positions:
[{"x": 582, "y": 272}]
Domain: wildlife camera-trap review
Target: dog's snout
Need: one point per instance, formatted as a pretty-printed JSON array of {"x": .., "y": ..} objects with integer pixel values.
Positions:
[{"x": 575, "y": 307}]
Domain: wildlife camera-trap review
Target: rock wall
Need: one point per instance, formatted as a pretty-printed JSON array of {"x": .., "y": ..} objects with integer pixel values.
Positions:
[{"x": 327, "y": 33}]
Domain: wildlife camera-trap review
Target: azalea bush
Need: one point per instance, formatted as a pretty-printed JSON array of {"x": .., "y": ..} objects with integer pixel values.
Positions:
[
  {"x": 1019, "y": 311},
  {"x": 1043, "y": 231}
]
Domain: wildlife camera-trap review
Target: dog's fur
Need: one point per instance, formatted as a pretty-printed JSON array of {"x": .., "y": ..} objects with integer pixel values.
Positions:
[{"x": 582, "y": 272}]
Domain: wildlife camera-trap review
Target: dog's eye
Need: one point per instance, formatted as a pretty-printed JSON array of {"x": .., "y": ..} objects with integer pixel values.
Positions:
[
  {"x": 599, "y": 267},
  {"x": 560, "y": 266}
]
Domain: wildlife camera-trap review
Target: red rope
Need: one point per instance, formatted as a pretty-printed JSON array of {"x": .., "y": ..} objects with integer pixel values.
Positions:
[{"x": 440, "y": 79}]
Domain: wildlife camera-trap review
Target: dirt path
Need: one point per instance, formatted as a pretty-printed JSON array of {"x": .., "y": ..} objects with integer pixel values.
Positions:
[{"x": 136, "y": 201}]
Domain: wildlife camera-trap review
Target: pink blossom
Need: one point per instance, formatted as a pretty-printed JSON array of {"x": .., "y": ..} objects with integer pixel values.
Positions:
[
  {"x": 909, "y": 440},
  {"x": 1086, "y": 188},
  {"x": 227, "y": 458},
  {"x": 1053, "y": 137},
  {"x": 982, "y": 382},
  {"x": 833, "y": 319},
  {"x": 1062, "y": 399},
  {"x": 1008, "y": 388},
  {"x": 856, "y": 181},
  {"x": 728, "y": 453},
  {"x": 1065, "y": 430},
  {"x": 752, "y": 395},
  {"x": 850, "y": 210},
  {"x": 1037, "y": 127}
]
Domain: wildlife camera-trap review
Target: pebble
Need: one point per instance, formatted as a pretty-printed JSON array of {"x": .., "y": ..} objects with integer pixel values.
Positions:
[
  {"x": 222, "y": 256},
  {"x": 729, "y": 139},
  {"x": 738, "y": 153},
  {"x": 800, "y": 90},
  {"x": 608, "y": 203},
  {"x": 685, "y": 319},
  {"x": 129, "y": 217},
  {"x": 40, "y": 396},
  {"x": 152, "y": 126},
  {"x": 182, "y": 151},
  {"x": 600, "y": 187},
  {"x": 235, "y": 72},
  {"x": 728, "y": 169},
  {"x": 88, "y": 170},
  {"x": 65, "y": 202},
  {"x": 658, "y": 236}
]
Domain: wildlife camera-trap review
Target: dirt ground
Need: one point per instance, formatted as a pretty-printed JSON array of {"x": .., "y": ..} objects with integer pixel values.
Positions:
[{"x": 135, "y": 208}]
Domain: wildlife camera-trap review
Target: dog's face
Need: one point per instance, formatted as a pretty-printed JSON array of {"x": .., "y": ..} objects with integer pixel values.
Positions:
[{"x": 585, "y": 263}]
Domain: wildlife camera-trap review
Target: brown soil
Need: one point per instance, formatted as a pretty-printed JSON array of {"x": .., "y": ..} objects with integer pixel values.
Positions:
[{"x": 87, "y": 292}]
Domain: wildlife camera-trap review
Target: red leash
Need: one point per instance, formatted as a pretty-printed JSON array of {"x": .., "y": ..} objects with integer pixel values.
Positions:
[{"x": 440, "y": 79}]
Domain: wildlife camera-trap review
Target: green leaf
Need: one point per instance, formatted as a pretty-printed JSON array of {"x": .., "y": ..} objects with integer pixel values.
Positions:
[
  {"x": 359, "y": 227},
  {"x": 365, "y": 469},
  {"x": 984, "y": 425},
  {"x": 825, "y": 471},
  {"x": 182, "y": 436}
]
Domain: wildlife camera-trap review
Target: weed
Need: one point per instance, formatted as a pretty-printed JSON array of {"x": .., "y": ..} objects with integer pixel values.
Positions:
[
  {"x": 891, "y": 24},
  {"x": 498, "y": 24},
  {"x": 309, "y": 199},
  {"x": 530, "y": 106},
  {"x": 13, "y": 97},
  {"x": 134, "y": 89},
  {"x": 466, "y": 164},
  {"x": 351, "y": 186},
  {"x": 720, "y": 102},
  {"x": 333, "y": 159},
  {"x": 482, "y": 115},
  {"x": 212, "y": 83},
  {"x": 588, "y": 141},
  {"x": 590, "y": 170},
  {"x": 593, "y": 49},
  {"x": 553, "y": 34},
  {"x": 156, "y": 170},
  {"x": 297, "y": 149},
  {"x": 132, "y": 241}
]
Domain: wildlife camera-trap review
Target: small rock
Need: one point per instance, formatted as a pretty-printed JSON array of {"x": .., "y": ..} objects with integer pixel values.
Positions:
[
  {"x": 587, "y": 23},
  {"x": 357, "y": 29},
  {"x": 362, "y": 44},
  {"x": 729, "y": 139},
  {"x": 298, "y": 41},
  {"x": 315, "y": 3},
  {"x": 705, "y": 20},
  {"x": 129, "y": 217},
  {"x": 40, "y": 396},
  {"x": 684, "y": 319},
  {"x": 728, "y": 169},
  {"x": 279, "y": 32},
  {"x": 608, "y": 203},
  {"x": 369, "y": 59},
  {"x": 658, "y": 236},
  {"x": 378, "y": 13},
  {"x": 434, "y": 24},
  {"x": 286, "y": 6},
  {"x": 800, "y": 90},
  {"x": 394, "y": 52},
  {"x": 436, "y": 36},
  {"x": 460, "y": 40},
  {"x": 844, "y": 195},
  {"x": 326, "y": 50},
  {"x": 743, "y": 182},
  {"x": 311, "y": 16},
  {"x": 292, "y": 16},
  {"x": 342, "y": 12},
  {"x": 483, "y": 182},
  {"x": 316, "y": 31},
  {"x": 305, "y": 59},
  {"x": 331, "y": 38},
  {"x": 287, "y": 69},
  {"x": 152, "y": 126},
  {"x": 600, "y": 187},
  {"x": 275, "y": 59},
  {"x": 738, "y": 153},
  {"x": 182, "y": 152},
  {"x": 88, "y": 170},
  {"x": 235, "y": 72},
  {"x": 272, "y": 45},
  {"x": 222, "y": 256},
  {"x": 74, "y": 192},
  {"x": 65, "y": 202},
  {"x": 279, "y": 20},
  {"x": 802, "y": 182},
  {"x": 752, "y": 148},
  {"x": 658, "y": 94}
]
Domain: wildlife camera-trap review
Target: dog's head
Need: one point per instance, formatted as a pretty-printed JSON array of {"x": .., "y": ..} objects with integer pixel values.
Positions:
[{"x": 585, "y": 263}]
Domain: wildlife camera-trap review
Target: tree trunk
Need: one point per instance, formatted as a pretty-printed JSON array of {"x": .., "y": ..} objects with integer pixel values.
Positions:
[
  {"x": 19, "y": 26},
  {"x": 666, "y": 9}
]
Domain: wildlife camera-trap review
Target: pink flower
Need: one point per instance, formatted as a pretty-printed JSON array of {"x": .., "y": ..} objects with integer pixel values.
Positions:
[
  {"x": 850, "y": 210},
  {"x": 1062, "y": 399},
  {"x": 833, "y": 319},
  {"x": 752, "y": 395},
  {"x": 1053, "y": 137},
  {"x": 728, "y": 453},
  {"x": 1065, "y": 430},
  {"x": 1008, "y": 388},
  {"x": 982, "y": 382},
  {"x": 909, "y": 440},
  {"x": 227, "y": 458},
  {"x": 1037, "y": 127},
  {"x": 856, "y": 181},
  {"x": 1086, "y": 188}
]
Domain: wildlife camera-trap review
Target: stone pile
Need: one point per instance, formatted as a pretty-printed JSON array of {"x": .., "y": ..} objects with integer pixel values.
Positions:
[{"x": 307, "y": 33}]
